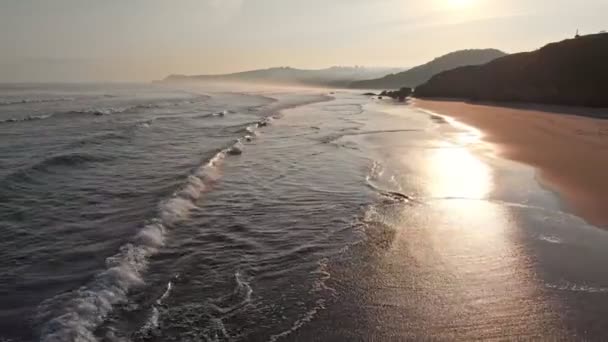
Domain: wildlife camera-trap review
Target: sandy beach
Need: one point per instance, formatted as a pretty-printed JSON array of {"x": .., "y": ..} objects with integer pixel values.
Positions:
[{"x": 568, "y": 147}]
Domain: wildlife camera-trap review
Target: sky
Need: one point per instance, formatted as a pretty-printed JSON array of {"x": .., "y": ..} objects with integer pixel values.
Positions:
[{"x": 143, "y": 40}]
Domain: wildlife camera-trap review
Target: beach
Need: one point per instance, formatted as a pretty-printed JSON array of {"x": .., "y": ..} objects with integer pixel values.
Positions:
[
  {"x": 151, "y": 213},
  {"x": 569, "y": 149}
]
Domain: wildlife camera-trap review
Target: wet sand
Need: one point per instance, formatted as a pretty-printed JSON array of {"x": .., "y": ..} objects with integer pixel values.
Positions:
[{"x": 568, "y": 146}]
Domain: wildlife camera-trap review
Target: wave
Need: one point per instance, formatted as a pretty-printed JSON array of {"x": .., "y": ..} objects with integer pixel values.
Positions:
[
  {"x": 152, "y": 323},
  {"x": 135, "y": 108},
  {"x": 214, "y": 311},
  {"x": 69, "y": 160},
  {"x": 550, "y": 239},
  {"x": 333, "y": 137},
  {"x": 58, "y": 161},
  {"x": 376, "y": 172},
  {"x": 319, "y": 304},
  {"x": 352, "y": 109},
  {"x": 240, "y": 296},
  {"x": 27, "y": 118},
  {"x": 92, "y": 111},
  {"x": 28, "y": 101},
  {"x": 106, "y": 111},
  {"x": 77, "y": 314},
  {"x": 567, "y": 286},
  {"x": 51, "y": 164}
]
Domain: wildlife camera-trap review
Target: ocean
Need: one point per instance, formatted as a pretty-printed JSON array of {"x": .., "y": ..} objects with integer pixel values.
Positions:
[{"x": 148, "y": 212}]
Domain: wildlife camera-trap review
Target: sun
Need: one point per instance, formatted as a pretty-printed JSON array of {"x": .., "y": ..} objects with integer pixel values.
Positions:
[{"x": 460, "y": 3}]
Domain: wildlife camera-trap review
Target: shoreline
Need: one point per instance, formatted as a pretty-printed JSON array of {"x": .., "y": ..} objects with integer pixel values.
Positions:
[{"x": 564, "y": 145}]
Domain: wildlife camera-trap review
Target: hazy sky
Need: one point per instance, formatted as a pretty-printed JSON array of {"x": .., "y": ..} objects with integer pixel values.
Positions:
[{"x": 86, "y": 40}]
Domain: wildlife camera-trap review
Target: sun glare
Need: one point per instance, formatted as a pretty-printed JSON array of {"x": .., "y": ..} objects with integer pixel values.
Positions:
[{"x": 460, "y": 3}]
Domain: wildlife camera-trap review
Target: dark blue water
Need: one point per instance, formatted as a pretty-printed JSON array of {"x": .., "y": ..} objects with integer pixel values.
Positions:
[{"x": 148, "y": 213}]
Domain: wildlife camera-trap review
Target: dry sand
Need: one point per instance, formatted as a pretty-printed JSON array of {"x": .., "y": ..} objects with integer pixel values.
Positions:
[{"x": 570, "y": 151}]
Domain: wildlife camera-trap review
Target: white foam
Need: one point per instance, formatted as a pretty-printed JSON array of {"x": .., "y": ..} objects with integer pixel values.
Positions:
[
  {"x": 550, "y": 239},
  {"x": 152, "y": 235},
  {"x": 27, "y": 101},
  {"x": 27, "y": 118},
  {"x": 242, "y": 290},
  {"x": 83, "y": 310},
  {"x": 152, "y": 322},
  {"x": 236, "y": 149},
  {"x": 165, "y": 294},
  {"x": 376, "y": 171},
  {"x": 318, "y": 286},
  {"x": 74, "y": 316},
  {"x": 567, "y": 286}
]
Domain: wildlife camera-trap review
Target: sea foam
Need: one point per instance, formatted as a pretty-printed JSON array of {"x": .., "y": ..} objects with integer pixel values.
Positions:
[{"x": 74, "y": 316}]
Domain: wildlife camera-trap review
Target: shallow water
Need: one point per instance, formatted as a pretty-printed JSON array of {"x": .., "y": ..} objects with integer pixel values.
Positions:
[{"x": 145, "y": 213}]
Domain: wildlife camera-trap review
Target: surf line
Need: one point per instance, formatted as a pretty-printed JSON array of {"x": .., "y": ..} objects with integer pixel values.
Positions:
[{"x": 76, "y": 315}]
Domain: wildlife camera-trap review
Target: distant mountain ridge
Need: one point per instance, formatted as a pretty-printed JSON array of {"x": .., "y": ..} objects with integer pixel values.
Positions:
[
  {"x": 570, "y": 72},
  {"x": 335, "y": 76},
  {"x": 421, "y": 74}
]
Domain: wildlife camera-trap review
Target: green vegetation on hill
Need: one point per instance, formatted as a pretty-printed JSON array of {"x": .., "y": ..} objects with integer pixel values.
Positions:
[
  {"x": 420, "y": 74},
  {"x": 571, "y": 72}
]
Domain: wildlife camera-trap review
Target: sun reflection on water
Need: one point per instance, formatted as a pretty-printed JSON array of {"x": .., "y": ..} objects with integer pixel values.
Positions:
[{"x": 456, "y": 172}]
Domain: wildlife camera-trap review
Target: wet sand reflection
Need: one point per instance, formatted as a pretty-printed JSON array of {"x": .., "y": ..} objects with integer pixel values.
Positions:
[{"x": 457, "y": 267}]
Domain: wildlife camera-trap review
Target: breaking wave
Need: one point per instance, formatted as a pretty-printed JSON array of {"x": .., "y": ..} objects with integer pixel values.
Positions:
[
  {"x": 76, "y": 315},
  {"x": 28, "y": 101},
  {"x": 27, "y": 118},
  {"x": 567, "y": 286},
  {"x": 70, "y": 160},
  {"x": 99, "y": 111},
  {"x": 550, "y": 239},
  {"x": 54, "y": 163}
]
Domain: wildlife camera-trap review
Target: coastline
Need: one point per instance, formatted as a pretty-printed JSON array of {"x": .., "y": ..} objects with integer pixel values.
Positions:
[{"x": 565, "y": 146}]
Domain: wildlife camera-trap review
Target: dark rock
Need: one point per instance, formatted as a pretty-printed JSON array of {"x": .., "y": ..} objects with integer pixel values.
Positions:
[{"x": 401, "y": 94}]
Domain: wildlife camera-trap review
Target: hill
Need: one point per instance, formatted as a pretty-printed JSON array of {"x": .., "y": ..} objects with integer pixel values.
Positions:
[
  {"x": 571, "y": 72},
  {"x": 334, "y": 76},
  {"x": 421, "y": 74}
]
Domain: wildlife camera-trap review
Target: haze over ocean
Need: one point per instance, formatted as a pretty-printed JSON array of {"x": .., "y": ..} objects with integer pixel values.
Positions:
[
  {"x": 204, "y": 170},
  {"x": 143, "y": 40}
]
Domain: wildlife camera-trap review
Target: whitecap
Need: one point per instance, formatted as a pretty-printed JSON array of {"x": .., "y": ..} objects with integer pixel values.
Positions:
[
  {"x": 76, "y": 315},
  {"x": 236, "y": 149},
  {"x": 568, "y": 286},
  {"x": 550, "y": 239}
]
